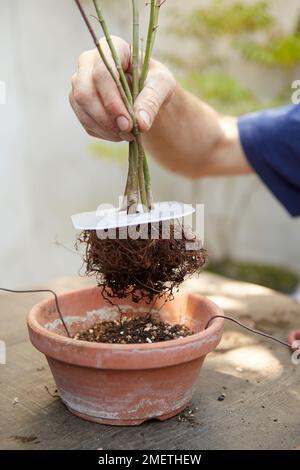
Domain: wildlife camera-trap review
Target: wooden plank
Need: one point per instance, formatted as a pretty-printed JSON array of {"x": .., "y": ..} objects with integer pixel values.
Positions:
[{"x": 260, "y": 411}]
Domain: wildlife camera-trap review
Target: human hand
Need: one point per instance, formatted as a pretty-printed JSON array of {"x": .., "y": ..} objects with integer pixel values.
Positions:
[{"x": 96, "y": 100}]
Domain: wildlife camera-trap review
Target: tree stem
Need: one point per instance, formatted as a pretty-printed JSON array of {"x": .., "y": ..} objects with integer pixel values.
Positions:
[
  {"x": 146, "y": 63},
  {"x": 139, "y": 155},
  {"x": 133, "y": 193},
  {"x": 140, "y": 181},
  {"x": 127, "y": 100},
  {"x": 152, "y": 29},
  {"x": 158, "y": 5},
  {"x": 135, "y": 48},
  {"x": 148, "y": 184},
  {"x": 113, "y": 51}
]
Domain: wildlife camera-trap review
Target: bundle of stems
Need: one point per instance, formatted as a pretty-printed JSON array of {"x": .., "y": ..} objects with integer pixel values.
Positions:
[{"x": 138, "y": 186}]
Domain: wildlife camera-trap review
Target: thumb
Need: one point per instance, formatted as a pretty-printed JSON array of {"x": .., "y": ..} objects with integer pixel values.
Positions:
[{"x": 159, "y": 88}]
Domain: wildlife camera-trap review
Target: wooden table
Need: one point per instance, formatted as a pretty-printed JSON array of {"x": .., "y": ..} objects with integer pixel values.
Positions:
[{"x": 261, "y": 409}]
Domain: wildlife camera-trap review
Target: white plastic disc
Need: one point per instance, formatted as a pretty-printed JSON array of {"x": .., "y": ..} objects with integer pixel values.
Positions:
[{"x": 105, "y": 219}]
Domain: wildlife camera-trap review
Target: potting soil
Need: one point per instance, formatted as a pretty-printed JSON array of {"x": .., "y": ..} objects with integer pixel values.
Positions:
[{"x": 133, "y": 331}]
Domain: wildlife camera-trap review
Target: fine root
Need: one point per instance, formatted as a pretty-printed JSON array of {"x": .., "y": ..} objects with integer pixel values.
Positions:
[{"x": 144, "y": 269}]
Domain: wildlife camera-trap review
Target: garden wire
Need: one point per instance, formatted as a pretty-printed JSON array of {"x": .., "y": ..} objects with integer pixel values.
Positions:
[{"x": 242, "y": 325}]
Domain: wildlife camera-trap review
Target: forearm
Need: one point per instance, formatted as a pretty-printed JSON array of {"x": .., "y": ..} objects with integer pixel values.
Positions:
[{"x": 191, "y": 139}]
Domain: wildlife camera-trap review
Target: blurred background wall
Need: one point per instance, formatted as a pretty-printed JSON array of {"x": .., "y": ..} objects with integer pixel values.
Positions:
[{"x": 50, "y": 169}]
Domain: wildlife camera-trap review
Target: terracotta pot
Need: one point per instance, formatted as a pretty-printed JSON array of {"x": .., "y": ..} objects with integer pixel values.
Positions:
[{"x": 124, "y": 384}]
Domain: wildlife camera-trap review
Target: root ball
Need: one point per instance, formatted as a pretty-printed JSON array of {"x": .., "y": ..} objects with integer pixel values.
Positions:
[{"x": 142, "y": 268}]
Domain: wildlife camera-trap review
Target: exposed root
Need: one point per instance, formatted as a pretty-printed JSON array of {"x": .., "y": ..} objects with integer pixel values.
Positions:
[{"x": 143, "y": 268}]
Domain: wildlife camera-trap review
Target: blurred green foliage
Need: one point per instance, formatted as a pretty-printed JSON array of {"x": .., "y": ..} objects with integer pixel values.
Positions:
[
  {"x": 222, "y": 91},
  {"x": 227, "y": 29},
  {"x": 282, "y": 52},
  {"x": 280, "y": 279},
  {"x": 107, "y": 151},
  {"x": 227, "y": 18}
]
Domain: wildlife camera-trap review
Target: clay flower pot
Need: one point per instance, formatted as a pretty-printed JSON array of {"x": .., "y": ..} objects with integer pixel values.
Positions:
[{"x": 124, "y": 384}]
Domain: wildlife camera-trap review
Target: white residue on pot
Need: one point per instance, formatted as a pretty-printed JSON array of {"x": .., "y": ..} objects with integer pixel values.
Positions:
[{"x": 101, "y": 314}]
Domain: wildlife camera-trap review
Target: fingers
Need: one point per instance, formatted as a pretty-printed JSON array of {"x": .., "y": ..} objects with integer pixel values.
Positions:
[
  {"x": 106, "y": 87},
  {"x": 95, "y": 98},
  {"x": 159, "y": 88},
  {"x": 90, "y": 125}
]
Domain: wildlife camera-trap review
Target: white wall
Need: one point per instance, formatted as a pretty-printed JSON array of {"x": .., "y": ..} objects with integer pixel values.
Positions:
[{"x": 47, "y": 172}]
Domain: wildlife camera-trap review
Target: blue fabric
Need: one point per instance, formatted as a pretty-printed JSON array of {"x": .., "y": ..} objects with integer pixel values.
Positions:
[{"x": 271, "y": 142}]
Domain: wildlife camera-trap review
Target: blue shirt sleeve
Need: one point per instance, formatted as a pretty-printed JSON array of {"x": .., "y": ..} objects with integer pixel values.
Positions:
[{"x": 271, "y": 142}]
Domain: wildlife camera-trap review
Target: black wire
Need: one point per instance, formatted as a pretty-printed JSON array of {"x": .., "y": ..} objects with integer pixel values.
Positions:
[
  {"x": 252, "y": 330},
  {"x": 237, "y": 322},
  {"x": 41, "y": 291}
]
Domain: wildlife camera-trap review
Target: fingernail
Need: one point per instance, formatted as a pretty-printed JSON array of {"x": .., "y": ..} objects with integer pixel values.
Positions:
[
  {"x": 145, "y": 117},
  {"x": 123, "y": 123}
]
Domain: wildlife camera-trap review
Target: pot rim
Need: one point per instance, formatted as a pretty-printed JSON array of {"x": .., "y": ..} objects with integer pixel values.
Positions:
[{"x": 55, "y": 343}]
